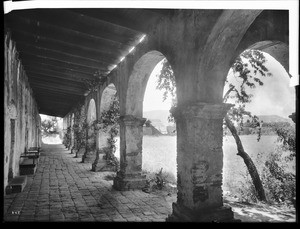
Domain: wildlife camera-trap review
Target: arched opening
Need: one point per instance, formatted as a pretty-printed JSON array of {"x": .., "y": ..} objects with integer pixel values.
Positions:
[
  {"x": 272, "y": 101},
  {"x": 91, "y": 114},
  {"x": 132, "y": 125},
  {"x": 159, "y": 130},
  {"x": 108, "y": 141}
]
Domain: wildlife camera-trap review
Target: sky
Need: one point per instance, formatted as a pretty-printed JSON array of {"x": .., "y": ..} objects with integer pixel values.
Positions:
[
  {"x": 275, "y": 97},
  {"x": 153, "y": 98}
]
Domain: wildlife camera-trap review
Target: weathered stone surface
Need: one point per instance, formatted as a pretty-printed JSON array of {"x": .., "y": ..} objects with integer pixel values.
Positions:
[
  {"x": 129, "y": 182},
  {"x": 17, "y": 184},
  {"x": 199, "y": 156},
  {"x": 130, "y": 176},
  {"x": 212, "y": 215},
  {"x": 21, "y": 116},
  {"x": 100, "y": 164}
]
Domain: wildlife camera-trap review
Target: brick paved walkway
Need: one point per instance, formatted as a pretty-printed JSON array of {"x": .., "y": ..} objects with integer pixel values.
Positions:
[{"x": 63, "y": 189}]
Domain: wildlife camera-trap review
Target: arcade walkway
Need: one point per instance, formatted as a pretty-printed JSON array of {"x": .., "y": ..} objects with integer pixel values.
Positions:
[{"x": 63, "y": 189}]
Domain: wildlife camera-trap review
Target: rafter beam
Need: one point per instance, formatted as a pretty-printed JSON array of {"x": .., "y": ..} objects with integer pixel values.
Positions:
[
  {"x": 56, "y": 32},
  {"x": 33, "y": 59},
  {"x": 57, "y": 72},
  {"x": 56, "y": 88},
  {"x": 84, "y": 24},
  {"x": 63, "y": 47},
  {"x": 60, "y": 56}
]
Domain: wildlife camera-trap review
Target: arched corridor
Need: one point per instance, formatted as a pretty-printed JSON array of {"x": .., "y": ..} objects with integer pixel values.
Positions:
[{"x": 74, "y": 63}]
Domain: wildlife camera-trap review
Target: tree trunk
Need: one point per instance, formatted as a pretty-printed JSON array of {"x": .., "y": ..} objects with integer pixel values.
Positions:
[{"x": 247, "y": 160}]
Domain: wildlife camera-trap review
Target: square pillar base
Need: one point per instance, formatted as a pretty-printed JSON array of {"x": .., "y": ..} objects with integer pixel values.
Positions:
[
  {"x": 103, "y": 167},
  {"x": 129, "y": 182},
  {"x": 213, "y": 215},
  {"x": 89, "y": 158}
]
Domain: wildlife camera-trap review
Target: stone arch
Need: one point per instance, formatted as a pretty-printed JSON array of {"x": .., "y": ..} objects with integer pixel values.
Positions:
[
  {"x": 131, "y": 124},
  {"x": 267, "y": 33},
  {"x": 138, "y": 81},
  {"x": 107, "y": 95},
  {"x": 234, "y": 32},
  {"x": 277, "y": 49},
  {"x": 91, "y": 113}
]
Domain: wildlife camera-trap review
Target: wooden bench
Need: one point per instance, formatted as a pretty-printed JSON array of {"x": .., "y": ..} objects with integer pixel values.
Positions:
[
  {"x": 32, "y": 153},
  {"x": 33, "y": 150},
  {"x": 28, "y": 166},
  {"x": 16, "y": 185}
]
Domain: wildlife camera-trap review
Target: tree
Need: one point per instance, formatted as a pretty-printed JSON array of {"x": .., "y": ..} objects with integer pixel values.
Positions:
[
  {"x": 50, "y": 126},
  {"x": 249, "y": 68}
]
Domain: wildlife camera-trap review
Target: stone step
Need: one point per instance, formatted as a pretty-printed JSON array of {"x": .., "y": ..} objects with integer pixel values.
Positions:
[{"x": 16, "y": 185}]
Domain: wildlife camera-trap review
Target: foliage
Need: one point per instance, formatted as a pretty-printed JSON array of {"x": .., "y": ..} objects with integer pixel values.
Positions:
[
  {"x": 109, "y": 118},
  {"x": 279, "y": 180},
  {"x": 287, "y": 136},
  {"x": 80, "y": 131},
  {"x": 278, "y": 174},
  {"x": 67, "y": 138},
  {"x": 92, "y": 84},
  {"x": 166, "y": 80},
  {"x": 50, "y": 126},
  {"x": 248, "y": 70},
  {"x": 158, "y": 180},
  {"x": 246, "y": 190},
  {"x": 108, "y": 122}
]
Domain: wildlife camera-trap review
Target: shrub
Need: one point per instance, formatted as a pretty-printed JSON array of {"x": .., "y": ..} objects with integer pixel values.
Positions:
[
  {"x": 279, "y": 179},
  {"x": 158, "y": 180}
]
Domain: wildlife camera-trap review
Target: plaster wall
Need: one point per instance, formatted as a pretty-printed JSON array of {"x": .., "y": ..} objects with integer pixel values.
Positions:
[{"x": 20, "y": 106}]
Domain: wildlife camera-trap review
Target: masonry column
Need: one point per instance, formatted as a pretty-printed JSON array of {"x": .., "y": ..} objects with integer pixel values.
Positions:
[
  {"x": 200, "y": 164},
  {"x": 90, "y": 151},
  {"x": 100, "y": 164},
  {"x": 131, "y": 136}
]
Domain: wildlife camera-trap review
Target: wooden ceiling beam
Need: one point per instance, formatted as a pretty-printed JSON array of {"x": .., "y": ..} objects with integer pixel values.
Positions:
[
  {"x": 61, "y": 82},
  {"x": 63, "y": 95},
  {"x": 70, "y": 20},
  {"x": 60, "y": 46},
  {"x": 56, "y": 32},
  {"x": 117, "y": 18},
  {"x": 57, "y": 71},
  {"x": 56, "y": 88},
  {"x": 58, "y": 84},
  {"x": 32, "y": 59},
  {"x": 33, "y": 50},
  {"x": 76, "y": 77}
]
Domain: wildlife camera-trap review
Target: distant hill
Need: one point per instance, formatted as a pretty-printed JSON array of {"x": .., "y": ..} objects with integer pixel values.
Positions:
[
  {"x": 273, "y": 118},
  {"x": 163, "y": 115}
]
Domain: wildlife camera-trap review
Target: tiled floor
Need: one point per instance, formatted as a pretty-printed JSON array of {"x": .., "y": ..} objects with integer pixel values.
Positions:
[{"x": 64, "y": 189}]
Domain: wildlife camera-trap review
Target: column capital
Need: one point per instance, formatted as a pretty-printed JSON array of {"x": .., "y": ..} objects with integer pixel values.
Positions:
[
  {"x": 201, "y": 110},
  {"x": 131, "y": 120}
]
